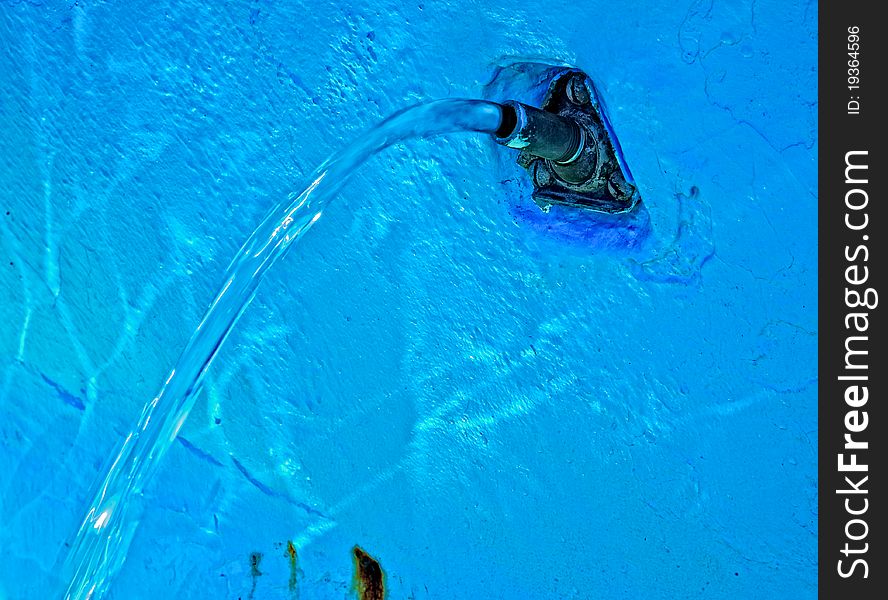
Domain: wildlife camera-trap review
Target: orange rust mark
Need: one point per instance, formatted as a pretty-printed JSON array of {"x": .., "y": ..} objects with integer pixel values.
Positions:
[
  {"x": 294, "y": 569},
  {"x": 369, "y": 578}
]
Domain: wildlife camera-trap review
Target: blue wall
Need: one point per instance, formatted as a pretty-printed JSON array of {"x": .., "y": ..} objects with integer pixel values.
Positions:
[{"x": 491, "y": 408}]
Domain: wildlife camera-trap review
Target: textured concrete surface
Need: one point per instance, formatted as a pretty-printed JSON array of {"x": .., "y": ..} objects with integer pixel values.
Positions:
[{"x": 487, "y": 403}]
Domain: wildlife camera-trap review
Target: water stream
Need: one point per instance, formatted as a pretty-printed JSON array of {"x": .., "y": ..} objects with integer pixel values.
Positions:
[{"x": 101, "y": 544}]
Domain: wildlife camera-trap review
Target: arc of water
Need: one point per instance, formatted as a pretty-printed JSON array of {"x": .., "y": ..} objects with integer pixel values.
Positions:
[{"x": 100, "y": 546}]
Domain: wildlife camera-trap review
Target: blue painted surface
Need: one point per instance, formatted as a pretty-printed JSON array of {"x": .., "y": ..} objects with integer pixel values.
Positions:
[{"x": 485, "y": 403}]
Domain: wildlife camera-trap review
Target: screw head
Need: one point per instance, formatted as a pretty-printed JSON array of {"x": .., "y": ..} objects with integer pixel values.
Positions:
[
  {"x": 578, "y": 90},
  {"x": 541, "y": 175}
]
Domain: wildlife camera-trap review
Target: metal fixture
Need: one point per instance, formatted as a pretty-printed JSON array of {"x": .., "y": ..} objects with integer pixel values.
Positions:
[{"x": 569, "y": 148}]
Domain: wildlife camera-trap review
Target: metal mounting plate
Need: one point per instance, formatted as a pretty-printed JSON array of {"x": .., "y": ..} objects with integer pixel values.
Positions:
[{"x": 606, "y": 185}]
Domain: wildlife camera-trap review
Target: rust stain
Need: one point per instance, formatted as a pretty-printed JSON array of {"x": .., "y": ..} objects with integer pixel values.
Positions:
[
  {"x": 369, "y": 578},
  {"x": 294, "y": 569},
  {"x": 255, "y": 559}
]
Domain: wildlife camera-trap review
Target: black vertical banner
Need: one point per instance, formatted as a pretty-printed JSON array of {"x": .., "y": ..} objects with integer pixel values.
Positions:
[{"x": 853, "y": 373}]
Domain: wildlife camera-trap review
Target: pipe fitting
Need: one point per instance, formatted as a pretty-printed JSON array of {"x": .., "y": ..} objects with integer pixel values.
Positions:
[
  {"x": 569, "y": 147},
  {"x": 540, "y": 133}
]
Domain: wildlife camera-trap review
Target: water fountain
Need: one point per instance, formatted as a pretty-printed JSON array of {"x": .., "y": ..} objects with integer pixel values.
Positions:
[{"x": 568, "y": 147}]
